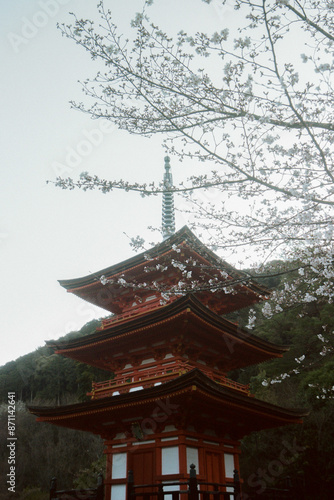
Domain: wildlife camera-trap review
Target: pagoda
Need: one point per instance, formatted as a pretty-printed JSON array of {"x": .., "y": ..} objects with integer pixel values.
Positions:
[{"x": 169, "y": 402}]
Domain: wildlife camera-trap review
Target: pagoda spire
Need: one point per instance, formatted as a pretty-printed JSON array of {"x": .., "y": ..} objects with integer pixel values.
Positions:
[{"x": 168, "y": 215}]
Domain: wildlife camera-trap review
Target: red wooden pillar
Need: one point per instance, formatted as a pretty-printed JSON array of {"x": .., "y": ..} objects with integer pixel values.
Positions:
[{"x": 183, "y": 456}]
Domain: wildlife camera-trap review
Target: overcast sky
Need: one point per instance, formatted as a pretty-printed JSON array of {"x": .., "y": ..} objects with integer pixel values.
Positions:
[{"x": 48, "y": 234}]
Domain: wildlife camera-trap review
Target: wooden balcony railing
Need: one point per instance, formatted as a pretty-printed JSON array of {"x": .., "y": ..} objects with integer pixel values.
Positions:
[
  {"x": 137, "y": 310},
  {"x": 125, "y": 381},
  {"x": 189, "y": 489}
]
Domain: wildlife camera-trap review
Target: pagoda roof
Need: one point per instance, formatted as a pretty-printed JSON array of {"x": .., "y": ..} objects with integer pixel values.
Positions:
[
  {"x": 234, "y": 346},
  {"x": 193, "y": 397},
  {"x": 142, "y": 267}
]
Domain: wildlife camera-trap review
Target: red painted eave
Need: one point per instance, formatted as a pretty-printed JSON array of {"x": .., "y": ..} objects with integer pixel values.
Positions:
[
  {"x": 91, "y": 289},
  {"x": 240, "y": 346},
  {"x": 201, "y": 394}
]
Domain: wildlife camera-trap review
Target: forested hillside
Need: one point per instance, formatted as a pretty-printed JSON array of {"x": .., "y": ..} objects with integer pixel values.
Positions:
[
  {"x": 43, "y": 450},
  {"x": 303, "y": 378}
]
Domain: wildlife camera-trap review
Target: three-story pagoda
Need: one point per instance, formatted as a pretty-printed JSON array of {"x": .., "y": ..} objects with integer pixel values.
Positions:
[{"x": 169, "y": 402}]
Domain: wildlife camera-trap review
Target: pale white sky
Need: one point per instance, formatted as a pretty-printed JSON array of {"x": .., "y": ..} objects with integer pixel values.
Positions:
[{"x": 48, "y": 234}]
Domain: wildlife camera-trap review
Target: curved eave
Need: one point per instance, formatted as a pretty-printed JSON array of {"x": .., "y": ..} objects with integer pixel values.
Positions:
[
  {"x": 240, "y": 409},
  {"x": 223, "y": 332},
  {"x": 183, "y": 235}
]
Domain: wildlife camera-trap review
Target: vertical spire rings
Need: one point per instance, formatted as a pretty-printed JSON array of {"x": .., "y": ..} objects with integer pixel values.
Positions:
[{"x": 168, "y": 215}]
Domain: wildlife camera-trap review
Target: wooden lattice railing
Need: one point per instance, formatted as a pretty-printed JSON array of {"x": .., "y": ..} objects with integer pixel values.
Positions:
[
  {"x": 123, "y": 382},
  {"x": 190, "y": 489},
  {"x": 193, "y": 489},
  {"x": 132, "y": 313}
]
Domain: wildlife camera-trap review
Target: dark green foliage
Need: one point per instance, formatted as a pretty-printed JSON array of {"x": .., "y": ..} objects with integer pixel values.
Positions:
[
  {"x": 304, "y": 453},
  {"x": 304, "y": 378},
  {"x": 44, "y": 451},
  {"x": 86, "y": 478}
]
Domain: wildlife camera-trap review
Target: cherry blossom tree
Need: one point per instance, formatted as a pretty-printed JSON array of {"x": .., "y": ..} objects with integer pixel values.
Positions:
[{"x": 254, "y": 104}]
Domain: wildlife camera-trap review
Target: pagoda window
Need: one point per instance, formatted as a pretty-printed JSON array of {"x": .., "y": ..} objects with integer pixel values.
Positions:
[
  {"x": 229, "y": 465},
  {"x": 192, "y": 458},
  {"x": 118, "y": 466},
  {"x": 170, "y": 460},
  {"x": 118, "y": 492},
  {"x": 170, "y": 488}
]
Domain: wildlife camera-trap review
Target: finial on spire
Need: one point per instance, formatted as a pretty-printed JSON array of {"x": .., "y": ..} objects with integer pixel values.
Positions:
[{"x": 168, "y": 216}]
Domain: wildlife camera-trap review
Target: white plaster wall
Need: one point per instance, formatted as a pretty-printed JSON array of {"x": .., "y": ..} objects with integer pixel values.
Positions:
[
  {"x": 118, "y": 492},
  {"x": 229, "y": 464},
  {"x": 170, "y": 488},
  {"x": 170, "y": 460},
  {"x": 118, "y": 470},
  {"x": 192, "y": 458}
]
